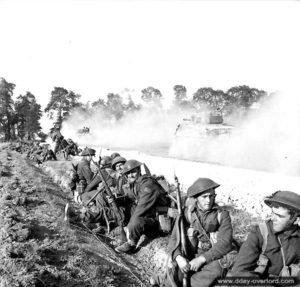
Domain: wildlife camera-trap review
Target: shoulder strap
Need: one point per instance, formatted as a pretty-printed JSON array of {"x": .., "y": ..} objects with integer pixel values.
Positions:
[
  {"x": 264, "y": 232},
  {"x": 219, "y": 216},
  {"x": 282, "y": 252}
]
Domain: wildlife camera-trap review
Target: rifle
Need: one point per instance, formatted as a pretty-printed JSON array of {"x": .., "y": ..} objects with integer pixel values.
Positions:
[
  {"x": 183, "y": 239},
  {"x": 119, "y": 215}
]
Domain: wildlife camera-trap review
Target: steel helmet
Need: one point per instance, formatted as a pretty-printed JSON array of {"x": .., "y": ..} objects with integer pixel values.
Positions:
[
  {"x": 105, "y": 161},
  {"x": 117, "y": 160},
  {"x": 287, "y": 199},
  {"x": 114, "y": 155},
  {"x": 88, "y": 151},
  {"x": 130, "y": 165},
  {"x": 200, "y": 186}
]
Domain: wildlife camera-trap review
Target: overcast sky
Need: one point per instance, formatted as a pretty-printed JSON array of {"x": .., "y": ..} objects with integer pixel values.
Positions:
[{"x": 97, "y": 47}]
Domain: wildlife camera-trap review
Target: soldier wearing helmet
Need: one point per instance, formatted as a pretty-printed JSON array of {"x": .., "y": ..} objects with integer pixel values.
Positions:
[
  {"x": 84, "y": 169},
  {"x": 114, "y": 155},
  {"x": 117, "y": 164},
  {"x": 57, "y": 137},
  {"x": 145, "y": 199},
  {"x": 101, "y": 210},
  {"x": 209, "y": 238},
  {"x": 105, "y": 161},
  {"x": 84, "y": 174},
  {"x": 71, "y": 148},
  {"x": 272, "y": 248}
]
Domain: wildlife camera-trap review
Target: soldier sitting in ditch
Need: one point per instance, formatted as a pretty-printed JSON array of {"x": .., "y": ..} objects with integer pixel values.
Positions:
[
  {"x": 272, "y": 249},
  {"x": 95, "y": 193},
  {"x": 145, "y": 198},
  {"x": 209, "y": 238},
  {"x": 83, "y": 174}
]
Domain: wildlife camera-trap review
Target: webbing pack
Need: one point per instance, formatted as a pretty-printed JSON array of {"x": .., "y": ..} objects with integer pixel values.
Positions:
[{"x": 263, "y": 259}]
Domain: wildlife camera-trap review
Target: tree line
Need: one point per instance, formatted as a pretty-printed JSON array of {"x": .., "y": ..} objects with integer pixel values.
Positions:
[{"x": 20, "y": 118}]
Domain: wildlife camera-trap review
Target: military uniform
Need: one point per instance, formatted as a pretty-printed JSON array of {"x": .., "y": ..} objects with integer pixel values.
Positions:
[
  {"x": 145, "y": 198},
  {"x": 201, "y": 227},
  {"x": 71, "y": 149},
  {"x": 101, "y": 203},
  {"x": 84, "y": 171},
  {"x": 247, "y": 259}
]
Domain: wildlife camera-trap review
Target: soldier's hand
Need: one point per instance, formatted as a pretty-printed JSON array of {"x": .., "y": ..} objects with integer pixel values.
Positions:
[
  {"x": 183, "y": 263},
  {"x": 196, "y": 263},
  {"x": 172, "y": 212}
]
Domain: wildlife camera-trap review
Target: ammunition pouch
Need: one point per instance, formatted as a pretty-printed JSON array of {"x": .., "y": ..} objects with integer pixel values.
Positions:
[
  {"x": 204, "y": 245},
  {"x": 262, "y": 263}
]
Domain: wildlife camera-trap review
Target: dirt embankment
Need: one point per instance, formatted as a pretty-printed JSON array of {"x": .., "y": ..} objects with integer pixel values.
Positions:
[{"x": 37, "y": 248}]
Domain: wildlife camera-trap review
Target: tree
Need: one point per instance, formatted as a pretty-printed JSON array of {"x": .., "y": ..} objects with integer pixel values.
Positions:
[
  {"x": 115, "y": 105},
  {"x": 99, "y": 103},
  {"x": 28, "y": 115},
  {"x": 180, "y": 93},
  {"x": 244, "y": 96},
  {"x": 131, "y": 106},
  {"x": 151, "y": 95},
  {"x": 62, "y": 102},
  {"x": 7, "y": 115}
]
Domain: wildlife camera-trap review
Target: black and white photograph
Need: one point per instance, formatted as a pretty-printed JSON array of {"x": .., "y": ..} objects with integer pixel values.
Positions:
[{"x": 149, "y": 143}]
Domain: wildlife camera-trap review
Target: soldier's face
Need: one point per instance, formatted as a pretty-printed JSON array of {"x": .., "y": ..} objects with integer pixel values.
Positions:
[
  {"x": 119, "y": 167},
  {"x": 133, "y": 175},
  {"x": 206, "y": 200},
  {"x": 281, "y": 219}
]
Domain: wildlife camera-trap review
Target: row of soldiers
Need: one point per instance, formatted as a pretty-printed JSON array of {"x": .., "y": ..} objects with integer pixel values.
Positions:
[
  {"x": 201, "y": 242},
  {"x": 34, "y": 150},
  {"x": 40, "y": 152},
  {"x": 65, "y": 146}
]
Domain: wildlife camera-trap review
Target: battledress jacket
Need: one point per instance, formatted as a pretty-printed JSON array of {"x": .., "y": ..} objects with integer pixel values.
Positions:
[
  {"x": 209, "y": 221},
  {"x": 147, "y": 198},
  {"x": 84, "y": 171},
  {"x": 247, "y": 259}
]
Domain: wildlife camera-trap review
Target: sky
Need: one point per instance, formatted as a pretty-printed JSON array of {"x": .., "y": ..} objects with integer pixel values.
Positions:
[{"x": 97, "y": 47}]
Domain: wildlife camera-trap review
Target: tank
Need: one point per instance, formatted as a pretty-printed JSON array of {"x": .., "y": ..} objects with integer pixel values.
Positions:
[
  {"x": 83, "y": 131},
  {"x": 203, "y": 127}
]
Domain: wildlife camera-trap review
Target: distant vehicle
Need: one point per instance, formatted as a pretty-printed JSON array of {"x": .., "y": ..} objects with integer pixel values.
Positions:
[
  {"x": 198, "y": 127},
  {"x": 83, "y": 131}
]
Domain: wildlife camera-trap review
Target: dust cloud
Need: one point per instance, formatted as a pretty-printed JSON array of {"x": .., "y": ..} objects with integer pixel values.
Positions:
[
  {"x": 151, "y": 128},
  {"x": 268, "y": 139}
]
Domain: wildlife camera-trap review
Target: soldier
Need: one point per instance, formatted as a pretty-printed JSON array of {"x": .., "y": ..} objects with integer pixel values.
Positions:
[
  {"x": 145, "y": 198},
  {"x": 47, "y": 153},
  {"x": 71, "y": 148},
  {"x": 114, "y": 155},
  {"x": 84, "y": 174},
  {"x": 209, "y": 238},
  {"x": 101, "y": 212},
  {"x": 57, "y": 137},
  {"x": 273, "y": 248},
  {"x": 120, "y": 180}
]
